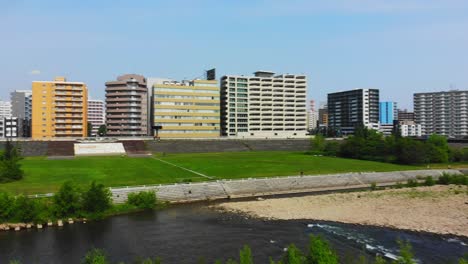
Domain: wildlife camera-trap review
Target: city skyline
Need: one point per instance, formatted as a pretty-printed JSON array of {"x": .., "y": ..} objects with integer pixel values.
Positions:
[{"x": 400, "y": 48}]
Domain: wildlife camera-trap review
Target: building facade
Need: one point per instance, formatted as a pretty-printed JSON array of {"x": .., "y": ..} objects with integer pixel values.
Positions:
[
  {"x": 405, "y": 115},
  {"x": 5, "y": 109},
  {"x": 96, "y": 115},
  {"x": 127, "y": 106},
  {"x": 323, "y": 116},
  {"x": 264, "y": 105},
  {"x": 186, "y": 109},
  {"x": 21, "y": 107},
  {"x": 12, "y": 127},
  {"x": 388, "y": 112},
  {"x": 443, "y": 113},
  {"x": 410, "y": 129},
  {"x": 59, "y": 109},
  {"x": 349, "y": 109},
  {"x": 312, "y": 116}
]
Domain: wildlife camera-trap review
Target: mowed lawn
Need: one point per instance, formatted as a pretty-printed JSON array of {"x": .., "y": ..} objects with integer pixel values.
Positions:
[{"x": 43, "y": 175}]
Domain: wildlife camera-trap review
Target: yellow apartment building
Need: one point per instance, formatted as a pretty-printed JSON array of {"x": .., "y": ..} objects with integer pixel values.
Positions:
[
  {"x": 59, "y": 109},
  {"x": 187, "y": 109}
]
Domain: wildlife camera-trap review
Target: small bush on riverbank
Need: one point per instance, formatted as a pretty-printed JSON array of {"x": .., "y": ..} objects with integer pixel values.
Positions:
[
  {"x": 143, "y": 200},
  {"x": 447, "y": 179},
  {"x": 96, "y": 200},
  {"x": 68, "y": 200}
]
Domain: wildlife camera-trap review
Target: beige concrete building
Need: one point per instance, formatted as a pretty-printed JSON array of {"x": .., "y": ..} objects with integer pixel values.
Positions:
[{"x": 187, "y": 109}]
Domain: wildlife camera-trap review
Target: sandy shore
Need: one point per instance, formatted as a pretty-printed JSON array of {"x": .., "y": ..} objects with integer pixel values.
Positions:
[{"x": 436, "y": 209}]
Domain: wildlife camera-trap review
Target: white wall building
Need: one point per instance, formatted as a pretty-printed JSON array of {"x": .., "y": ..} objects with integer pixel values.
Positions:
[
  {"x": 264, "y": 105},
  {"x": 5, "y": 109},
  {"x": 443, "y": 113},
  {"x": 96, "y": 115},
  {"x": 410, "y": 129}
]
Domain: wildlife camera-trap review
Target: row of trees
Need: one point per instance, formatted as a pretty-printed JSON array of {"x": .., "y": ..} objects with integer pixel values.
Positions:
[
  {"x": 319, "y": 252},
  {"x": 10, "y": 168},
  {"x": 70, "y": 201},
  {"x": 368, "y": 144}
]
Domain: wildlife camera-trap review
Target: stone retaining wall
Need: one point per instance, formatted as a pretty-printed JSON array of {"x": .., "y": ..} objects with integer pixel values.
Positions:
[
  {"x": 178, "y": 193},
  {"x": 227, "y": 145}
]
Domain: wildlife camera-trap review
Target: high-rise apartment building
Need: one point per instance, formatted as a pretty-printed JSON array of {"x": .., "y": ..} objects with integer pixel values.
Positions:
[
  {"x": 21, "y": 107},
  {"x": 21, "y": 104},
  {"x": 96, "y": 115},
  {"x": 264, "y": 105},
  {"x": 443, "y": 113},
  {"x": 5, "y": 109},
  {"x": 404, "y": 115},
  {"x": 59, "y": 109},
  {"x": 127, "y": 106},
  {"x": 187, "y": 109},
  {"x": 323, "y": 116},
  {"x": 388, "y": 112},
  {"x": 312, "y": 116},
  {"x": 352, "y": 108},
  {"x": 409, "y": 129}
]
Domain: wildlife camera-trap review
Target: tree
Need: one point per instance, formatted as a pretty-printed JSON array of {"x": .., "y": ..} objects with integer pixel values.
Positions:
[
  {"x": 6, "y": 207},
  {"x": 406, "y": 253},
  {"x": 318, "y": 143},
  {"x": 67, "y": 201},
  {"x": 10, "y": 168},
  {"x": 90, "y": 130},
  {"x": 246, "y": 255},
  {"x": 97, "y": 198},
  {"x": 437, "y": 149},
  {"x": 102, "y": 130},
  {"x": 320, "y": 252},
  {"x": 293, "y": 255}
]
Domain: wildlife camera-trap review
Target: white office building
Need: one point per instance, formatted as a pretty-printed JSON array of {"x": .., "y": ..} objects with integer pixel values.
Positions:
[{"x": 264, "y": 105}]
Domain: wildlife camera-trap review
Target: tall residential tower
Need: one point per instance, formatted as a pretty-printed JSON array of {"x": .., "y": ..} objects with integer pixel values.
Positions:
[
  {"x": 59, "y": 109},
  {"x": 264, "y": 105},
  {"x": 443, "y": 113},
  {"x": 349, "y": 109},
  {"x": 127, "y": 106}
]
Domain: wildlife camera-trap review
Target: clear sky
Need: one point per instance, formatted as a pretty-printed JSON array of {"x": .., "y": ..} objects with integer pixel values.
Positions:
[{"x": 398, "y": 46}]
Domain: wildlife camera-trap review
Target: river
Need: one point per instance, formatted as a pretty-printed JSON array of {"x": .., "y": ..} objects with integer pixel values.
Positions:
[{"x": 185, "y": 233}]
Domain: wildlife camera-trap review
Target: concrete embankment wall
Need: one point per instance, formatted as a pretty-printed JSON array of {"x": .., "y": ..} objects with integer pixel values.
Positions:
[
  {"x": 178, "y": 193},
  {"x": 43, "y": 148},
  {"x": 227, "y": 145}
]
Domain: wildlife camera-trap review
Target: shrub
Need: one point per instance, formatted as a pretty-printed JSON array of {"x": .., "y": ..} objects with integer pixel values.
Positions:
[
  {"x": 95, "y": 256},
  {"x": 331, "y": 148},
  {"x": 406, "y": 253},
  {"x": 444, "y": 179},
  {"x": 24, "y": 209},
  {"x": 320, "y": 252},
  {"x": 6, "y": 207},
  {"x": 67, "y": 201},
  {"x": 412, "y": 183},
  {"x": 145, "y": 200},
  {"x": 373, "y": 186},
  {"x": 318, "y": 143},
  {"x": 429, "y": 181},
  {"x": 96, "y": 199}
]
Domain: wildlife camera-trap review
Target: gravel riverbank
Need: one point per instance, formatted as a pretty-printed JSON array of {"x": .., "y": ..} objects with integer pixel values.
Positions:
[{"x": 436, "y": 209}]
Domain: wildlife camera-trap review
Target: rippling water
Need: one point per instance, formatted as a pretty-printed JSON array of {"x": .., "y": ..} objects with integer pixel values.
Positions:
[{"x": 183, "y": 234}]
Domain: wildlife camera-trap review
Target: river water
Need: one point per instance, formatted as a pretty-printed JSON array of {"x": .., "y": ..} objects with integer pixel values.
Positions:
[{"x": 186, "y": 233}]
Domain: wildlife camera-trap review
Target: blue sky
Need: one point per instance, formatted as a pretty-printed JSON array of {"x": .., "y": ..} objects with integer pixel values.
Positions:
[{"x": 398, "y": 46}]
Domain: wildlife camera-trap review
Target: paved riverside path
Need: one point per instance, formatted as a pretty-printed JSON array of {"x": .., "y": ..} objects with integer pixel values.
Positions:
[{"x": 221, "y": 189}]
